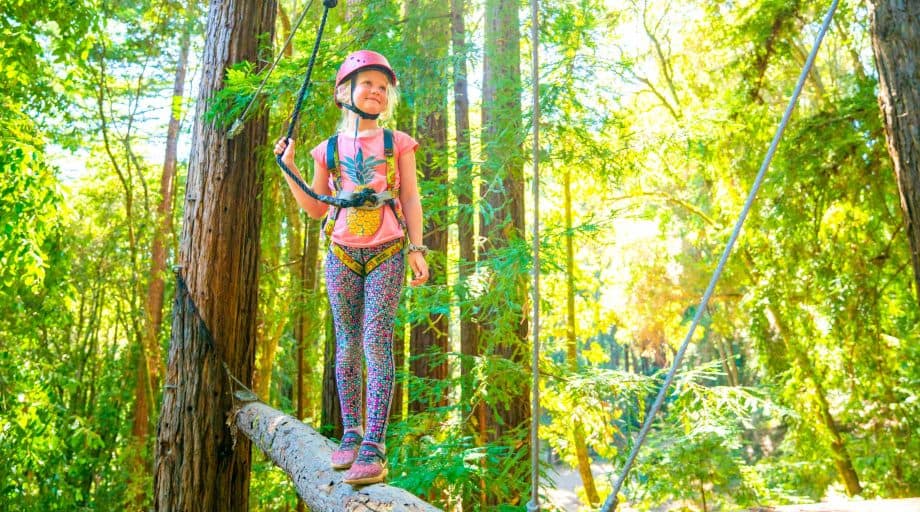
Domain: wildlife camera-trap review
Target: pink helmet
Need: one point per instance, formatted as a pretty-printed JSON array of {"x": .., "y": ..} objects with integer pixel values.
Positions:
[{"x": 362, "y": 59}]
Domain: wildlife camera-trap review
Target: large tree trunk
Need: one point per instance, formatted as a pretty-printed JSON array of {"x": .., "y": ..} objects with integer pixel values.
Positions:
[
  {"x": 198, "y": 467},
  {"x": 429, "y": 343},
  {"x": 304, "y": 455},
  {"x": 895, "y": 26}
]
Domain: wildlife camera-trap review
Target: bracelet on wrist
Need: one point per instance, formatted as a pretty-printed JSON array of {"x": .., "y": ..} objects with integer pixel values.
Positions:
[{"x": 418, "y": 248}]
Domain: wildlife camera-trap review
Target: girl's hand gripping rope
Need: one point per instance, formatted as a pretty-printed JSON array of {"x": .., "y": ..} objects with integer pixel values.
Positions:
[{"x": 285, "y": 148}]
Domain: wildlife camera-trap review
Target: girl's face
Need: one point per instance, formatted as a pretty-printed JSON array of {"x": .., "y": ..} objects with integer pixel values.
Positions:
[{"x": 370, "y": 93}]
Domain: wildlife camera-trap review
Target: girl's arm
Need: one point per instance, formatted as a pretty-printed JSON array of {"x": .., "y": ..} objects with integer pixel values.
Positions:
[
  {"x": 314, "y": 208},
  {"x": 412, "y": 210}
]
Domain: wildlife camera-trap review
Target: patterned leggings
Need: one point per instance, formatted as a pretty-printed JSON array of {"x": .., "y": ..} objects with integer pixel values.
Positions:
[{"x": 364, "y": 309}]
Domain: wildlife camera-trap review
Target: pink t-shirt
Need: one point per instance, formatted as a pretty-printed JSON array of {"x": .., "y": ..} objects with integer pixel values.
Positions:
[{"x": 365, "y": 228}]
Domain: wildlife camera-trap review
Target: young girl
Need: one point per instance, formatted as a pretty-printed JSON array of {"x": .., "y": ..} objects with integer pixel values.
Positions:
[{"x": 365, "y": 265}]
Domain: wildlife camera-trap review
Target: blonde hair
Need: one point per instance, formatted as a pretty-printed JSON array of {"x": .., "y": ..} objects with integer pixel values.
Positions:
[{"x": 342, "y": 93}]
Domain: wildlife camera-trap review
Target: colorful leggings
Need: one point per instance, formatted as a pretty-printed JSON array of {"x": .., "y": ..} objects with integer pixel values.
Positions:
[{"x": 364, "y": 309}]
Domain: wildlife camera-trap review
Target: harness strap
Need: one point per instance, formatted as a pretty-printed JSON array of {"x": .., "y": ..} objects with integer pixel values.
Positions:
[
  {"x": 332, "y": 164},
  {"x": 387, "y": 196},
  {"x": 391, "y": 179},
  {"x": 365, "y": 269}
]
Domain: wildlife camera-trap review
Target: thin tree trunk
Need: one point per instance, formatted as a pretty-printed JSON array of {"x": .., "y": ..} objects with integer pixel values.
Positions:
[
  {"x": 503, "y": 185},
  {"x": 895, "y": 27},
  {"x": 469, "y": 329},
  {"x": 464, "y": 192},
  {"x": 271, "y": 318},
  {"x": 578, "y": 433},
  {"x": 198, "y": 465},
  {"x": 154, "y": 304},
  {"x": 841, "y": 455}
]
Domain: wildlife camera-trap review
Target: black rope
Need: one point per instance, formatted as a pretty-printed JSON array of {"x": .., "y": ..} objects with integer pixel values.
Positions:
[{"x": 365, "y": 197}]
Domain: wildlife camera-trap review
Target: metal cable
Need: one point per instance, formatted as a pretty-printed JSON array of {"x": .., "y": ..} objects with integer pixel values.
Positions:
[
  {"x": 534, "y": 504},
  {"x": 238, "y": 124},
  {"x": 611, "y": 503}
]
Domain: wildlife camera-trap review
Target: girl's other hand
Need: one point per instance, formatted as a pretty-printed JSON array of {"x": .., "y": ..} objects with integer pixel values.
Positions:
[
  {"x": 419, "y": 268},
  {"x": 285, "y": 148}
]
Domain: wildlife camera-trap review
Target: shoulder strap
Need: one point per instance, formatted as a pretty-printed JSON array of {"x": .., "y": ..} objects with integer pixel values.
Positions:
[
  {"x": 332, "y": 158},
  {"x": 332, "y": 164},
  {"x": 391, "y": 169},
  {"x": 391, "y": 179}
]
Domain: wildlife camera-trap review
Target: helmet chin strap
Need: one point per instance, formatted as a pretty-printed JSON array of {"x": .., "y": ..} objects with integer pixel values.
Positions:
[{"x": 362, "y": 114}]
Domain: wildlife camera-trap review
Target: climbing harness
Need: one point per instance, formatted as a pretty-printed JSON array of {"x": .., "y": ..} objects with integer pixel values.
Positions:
[
  {"x": 611, "y": 503},
  {"x": 387, "y": 197},
  {"x": 363, "y": 270}
]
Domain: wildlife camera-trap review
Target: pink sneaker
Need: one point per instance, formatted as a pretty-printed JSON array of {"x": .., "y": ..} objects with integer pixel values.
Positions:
[
  {"x": 344, "y": 457},
  {"x": 370, "y": 467}
]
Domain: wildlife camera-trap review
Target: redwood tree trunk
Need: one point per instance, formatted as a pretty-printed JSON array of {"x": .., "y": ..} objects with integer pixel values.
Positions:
[
  {"x": 198, "y": 466},
  {"x": 502, "y": 225},
  {"x": 429, "y": 344},
  {"x": 464, "y": 192},
  {"x": 503, "y": 187},
  {"x": 895, "y": 26}
]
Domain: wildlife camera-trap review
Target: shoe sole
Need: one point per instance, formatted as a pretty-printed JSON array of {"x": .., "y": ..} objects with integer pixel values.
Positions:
[
  {"x": 376, "y": 479},
  {"x": 341, "y": 466}
]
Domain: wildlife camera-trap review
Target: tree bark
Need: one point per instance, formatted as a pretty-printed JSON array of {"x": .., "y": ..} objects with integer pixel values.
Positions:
[
  {"x": 429, "y": 343},
  {"x": 198, "y": 467},
  {"x": 464, "y": 192},
  {"x": 502, "y": 225},
  {"x": 503, "y": 187},
  {"x": 895, "y": 28},
  {"x": 304, "y": 455}
]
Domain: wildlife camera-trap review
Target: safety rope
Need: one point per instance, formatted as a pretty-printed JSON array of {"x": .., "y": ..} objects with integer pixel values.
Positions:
[
  {"x": 363, "y": 198},
  {"x": 611, "y": 503},
  {"x": 534, "y": 504}
]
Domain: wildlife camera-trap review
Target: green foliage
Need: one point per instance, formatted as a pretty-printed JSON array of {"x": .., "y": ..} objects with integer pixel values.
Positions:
[
  {"x": 29, "y": 203},
  {"x": 660, "y": 113}
]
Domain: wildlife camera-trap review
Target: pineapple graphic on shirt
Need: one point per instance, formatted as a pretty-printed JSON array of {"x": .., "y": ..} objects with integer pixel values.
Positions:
[{"x": 361, "y": 171}]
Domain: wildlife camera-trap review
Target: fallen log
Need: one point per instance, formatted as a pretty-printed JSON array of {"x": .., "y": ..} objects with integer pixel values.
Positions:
[{"x": 304, "y": 455}]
